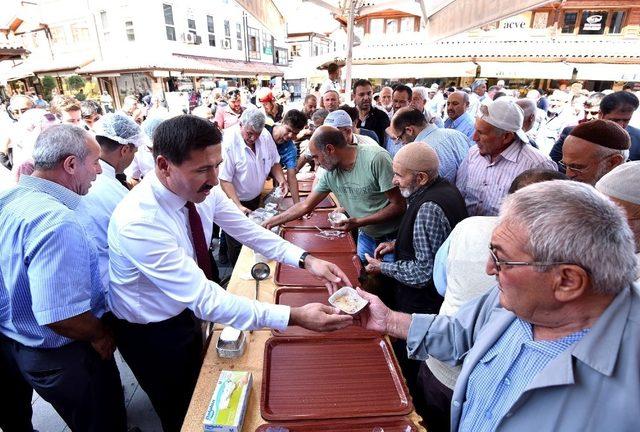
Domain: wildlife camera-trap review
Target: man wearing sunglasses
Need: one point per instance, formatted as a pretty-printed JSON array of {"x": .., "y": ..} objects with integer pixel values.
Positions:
[
  {"x": 554, "y": 346},
  {"x": 594, "y": 148}
]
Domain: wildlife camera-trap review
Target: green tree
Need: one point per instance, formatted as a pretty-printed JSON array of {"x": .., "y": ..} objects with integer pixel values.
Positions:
[
  {"x": 75, "y": 83},
  {"x": 48, "y": 84}
]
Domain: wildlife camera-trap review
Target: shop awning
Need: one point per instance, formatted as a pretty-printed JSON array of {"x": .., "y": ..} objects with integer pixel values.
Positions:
[
  {"x": 543, "y": 70},
  {"x": 607, "y": 72},
  {"x": 414, "y": 70}
]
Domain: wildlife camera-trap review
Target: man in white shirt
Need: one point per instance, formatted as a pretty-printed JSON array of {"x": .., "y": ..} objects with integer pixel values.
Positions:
[
  {"x": 119, "y": 138},
  {"x": 249, "y": 155},
  {"x": 333, "y": 82},
  {"x": 159, "y": 270}
]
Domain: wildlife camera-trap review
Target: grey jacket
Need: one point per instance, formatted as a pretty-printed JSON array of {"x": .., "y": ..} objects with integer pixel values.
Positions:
[{"x": 592, "y": 386}]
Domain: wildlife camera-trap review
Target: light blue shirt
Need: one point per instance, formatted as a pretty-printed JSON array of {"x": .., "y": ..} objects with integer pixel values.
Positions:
[
  {"x": 392, "y": 145},
  {"x": 465, "y": 124},
  {"x": 48, "y": 267},
  {"x": 440, "y": 267},
  {"x": 450, "y": 145},
  {"x": 503, "y": 373}
]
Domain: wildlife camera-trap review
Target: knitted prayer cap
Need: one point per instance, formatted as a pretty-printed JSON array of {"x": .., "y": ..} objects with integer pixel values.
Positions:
[
  {"x": 418, "y": 157},
  {"x": 604, "y": 133},
  {"x": 622, "y": 183}
]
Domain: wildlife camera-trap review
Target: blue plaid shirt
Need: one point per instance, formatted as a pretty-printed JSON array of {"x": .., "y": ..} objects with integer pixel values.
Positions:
[
  {"x": 505, "y": 371},
  {"x": 48, "y": 267},
  {"x": 465, "y": 124}
]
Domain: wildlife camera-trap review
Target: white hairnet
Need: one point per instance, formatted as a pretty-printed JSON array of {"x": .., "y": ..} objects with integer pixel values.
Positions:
[
  {"x": 119, "y": 128},
  {"x": 149, "y": 126}
]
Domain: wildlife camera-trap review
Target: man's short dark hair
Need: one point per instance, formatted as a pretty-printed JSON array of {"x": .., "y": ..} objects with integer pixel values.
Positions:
[
  {"x": 352, "y": 111},
  {"x": 333, "y": 68},
  {"x": 177, "y": 137},
  {"x": 403, "y": 88},
  {"x": 361, "y": 83},
  {"x": 409, "y": 116},
  {"x": 309, "y": 96},
  {"x": 295, "y": 118},
  {"x": 535, "y": 175},
  {"x": 107, "y": 144},
  {"x": 328, "y": 135},
  {"x": 618, "y": 100}
]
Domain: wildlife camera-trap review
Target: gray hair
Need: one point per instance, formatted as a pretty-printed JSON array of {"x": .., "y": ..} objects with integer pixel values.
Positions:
[
  {"x": 57, "y": 143},
  {"x": 253, "y": 118},
  {"x": 319, "y": 114},
  {"x": 580, "y": 225},
  {"x": 528, "y": 106},
  {"x": 422, "y": 91}
]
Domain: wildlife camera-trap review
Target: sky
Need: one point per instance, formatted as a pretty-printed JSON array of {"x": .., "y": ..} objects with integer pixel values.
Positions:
[{"x": 302, "y": 16}]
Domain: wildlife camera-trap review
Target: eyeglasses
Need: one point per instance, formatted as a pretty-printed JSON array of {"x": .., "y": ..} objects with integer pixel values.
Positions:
[
  {"x": 499, "y": 263},
  {"x": 578, "y": 169}
]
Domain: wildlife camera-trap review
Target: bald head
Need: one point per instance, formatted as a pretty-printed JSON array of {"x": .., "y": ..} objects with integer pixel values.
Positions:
[
  {"x": 325, "y": 135},
  {"x": 418, "y": 157}
]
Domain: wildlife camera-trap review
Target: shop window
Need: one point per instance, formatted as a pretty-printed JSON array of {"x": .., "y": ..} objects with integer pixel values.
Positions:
[
  {"x": 593, "y": 22},
  {"x": 569, "y": 22},
  {"x": 168, "y": 22},
  {"x": 281, "y": 57},
  {"x": 210, "y": 29},
  {"x": 254, "y": 43},
  {"x": 617, "y": 19}
]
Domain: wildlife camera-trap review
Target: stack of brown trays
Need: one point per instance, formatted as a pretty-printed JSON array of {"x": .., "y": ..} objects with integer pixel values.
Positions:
[{"x": 347, "y": 380}]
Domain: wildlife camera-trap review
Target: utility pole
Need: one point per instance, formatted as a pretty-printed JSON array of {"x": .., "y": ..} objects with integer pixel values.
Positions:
[{"x": 350, "y": 19}]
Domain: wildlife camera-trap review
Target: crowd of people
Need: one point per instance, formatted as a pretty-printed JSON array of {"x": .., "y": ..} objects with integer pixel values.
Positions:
[{"x": 502, "y": 230}]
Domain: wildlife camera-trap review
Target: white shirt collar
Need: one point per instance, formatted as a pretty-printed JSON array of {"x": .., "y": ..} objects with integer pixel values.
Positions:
[
  {"x": 167, "y": 198},
  {"x": 107, "y": 170}
]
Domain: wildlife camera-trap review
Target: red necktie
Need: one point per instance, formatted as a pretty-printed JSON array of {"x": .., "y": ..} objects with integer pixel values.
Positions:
[{"x": 199, "y": 242}]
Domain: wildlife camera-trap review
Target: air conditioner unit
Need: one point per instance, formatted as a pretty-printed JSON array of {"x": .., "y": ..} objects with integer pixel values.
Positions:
[
  {"x": 226, "y": 43},
  {"x": 190, "y": 38}
]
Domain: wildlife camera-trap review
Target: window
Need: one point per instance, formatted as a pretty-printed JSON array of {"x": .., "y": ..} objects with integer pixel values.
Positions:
[
  {"x": 376, "y": 26},
  {"x": 227, "y": 29},
  {"x": 281, "y": 57},
  {"x": 407, "y": 24},
  {"x": 239, "y": 35},
  {"x": 593, "y": 22},
  {"x": 128, "y": 26},
  {"x": 58, "y": 36},
  {"x": 79, "y": 33},
  {"x": 210, "y": 29},
  {"x": 392, "y": 26},
  {"x": 569, "y": 22},
  {"x": 168, "y": 21},
  {"x": 191, "y": 25},
  {"x": 254, "y": 43},
  {"x": 105, "y": 24},
  {"x": 266, "y": 43},
  {"x": 617, "y": 19},
  {"x": 540, "y": 20},
  {"x": 295, "y": 50}
]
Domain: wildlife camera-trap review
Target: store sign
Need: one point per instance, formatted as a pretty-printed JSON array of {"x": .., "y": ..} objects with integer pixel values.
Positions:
[
  {"x": 593, "y": 23},
  {"x": 517, "y": 22}
]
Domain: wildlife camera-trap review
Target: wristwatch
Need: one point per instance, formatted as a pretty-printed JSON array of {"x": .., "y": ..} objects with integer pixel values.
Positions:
[{"x": 302, "y": 258}]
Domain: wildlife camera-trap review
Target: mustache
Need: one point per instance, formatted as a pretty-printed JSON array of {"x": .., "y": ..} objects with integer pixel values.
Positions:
[{"x": 205, "y": 187}]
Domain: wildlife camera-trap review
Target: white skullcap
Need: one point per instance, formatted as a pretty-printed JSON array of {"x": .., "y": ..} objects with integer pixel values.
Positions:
[
  {"x": 120, "y": 128},
  {"x": 622, "y": 183}
]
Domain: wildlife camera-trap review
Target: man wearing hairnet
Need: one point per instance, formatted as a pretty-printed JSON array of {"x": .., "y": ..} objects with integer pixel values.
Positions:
[{"x": 119, "y": 138}]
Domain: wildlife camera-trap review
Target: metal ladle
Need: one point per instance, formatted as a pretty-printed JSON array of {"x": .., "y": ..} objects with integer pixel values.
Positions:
[{"x": 260, "y": 271}]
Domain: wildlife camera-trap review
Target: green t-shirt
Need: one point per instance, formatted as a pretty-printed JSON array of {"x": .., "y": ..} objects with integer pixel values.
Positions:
[{"x": 361, "y": 190}]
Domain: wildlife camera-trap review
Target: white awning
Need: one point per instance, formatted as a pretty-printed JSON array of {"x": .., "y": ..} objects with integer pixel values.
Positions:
[
  {"x": 540, "y": 70},
  {"x": 608, "y": 72},
  {"x": 414, "y": 70}
]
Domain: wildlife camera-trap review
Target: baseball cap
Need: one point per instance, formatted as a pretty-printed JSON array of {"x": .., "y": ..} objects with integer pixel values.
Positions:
[
  {"x": 265, "y": 95},
  {"x": 338, "y": 119},
  {"x": 505, "y": 115}
]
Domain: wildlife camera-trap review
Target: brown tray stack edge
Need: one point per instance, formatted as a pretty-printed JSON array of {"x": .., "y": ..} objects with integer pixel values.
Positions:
[
  {"x": 347, "y": 380},
  {"x": 330, "y": 378},
  {"x": 324, "y": 204},
  {"x": 317, "y": 218}
]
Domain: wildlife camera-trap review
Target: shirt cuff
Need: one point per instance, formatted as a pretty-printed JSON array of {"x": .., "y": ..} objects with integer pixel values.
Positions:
[
  {"x": 277, "y": 317},
  {"x": 418, "y": 330},
  {"x": 388, "y": 269},
  {"x": 51, "y": 316},
  {"x": 292, "y": 255}
]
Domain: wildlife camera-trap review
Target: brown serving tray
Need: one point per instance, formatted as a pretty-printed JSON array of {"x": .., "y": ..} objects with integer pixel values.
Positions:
[
  {"x": 328, "y": 202},
  {"x": 318, "y": 218},
  {"x": 304, "y": 185},
  {"x": 400, "y": 424},
  {"x": 331, "y": 378},
  {"x": 300, "y": 296},
  {"x": 293, "y": 276},
  {"x": 311, "y": 241}
]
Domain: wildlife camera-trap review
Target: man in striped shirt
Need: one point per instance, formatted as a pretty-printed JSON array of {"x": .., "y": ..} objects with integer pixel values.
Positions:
[
  {"x": 500, "y": 154},
  {"x": 51, "y": 298}
]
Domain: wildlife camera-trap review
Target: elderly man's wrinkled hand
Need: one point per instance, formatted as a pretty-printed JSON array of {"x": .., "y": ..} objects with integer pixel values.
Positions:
[
  {"x": 375, "y": 316},
  {"x": 319, "y": 317},
  {"x": 373, "y": 265},
  {"x": 384, "y": 248}
]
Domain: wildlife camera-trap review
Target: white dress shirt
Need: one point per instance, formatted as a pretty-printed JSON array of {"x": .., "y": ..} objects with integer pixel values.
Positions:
[
  {"x": 94, "y": 212},
  {"x": 243, "y": 168},
  {"x": 153, "y": 271},
  {"x": 142, "y": 163}
]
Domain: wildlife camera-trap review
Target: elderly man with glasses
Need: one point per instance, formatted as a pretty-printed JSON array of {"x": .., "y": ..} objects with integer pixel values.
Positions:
[
  {"x": 554, "y": 346},
  {"x": 594, "y": 148}
]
